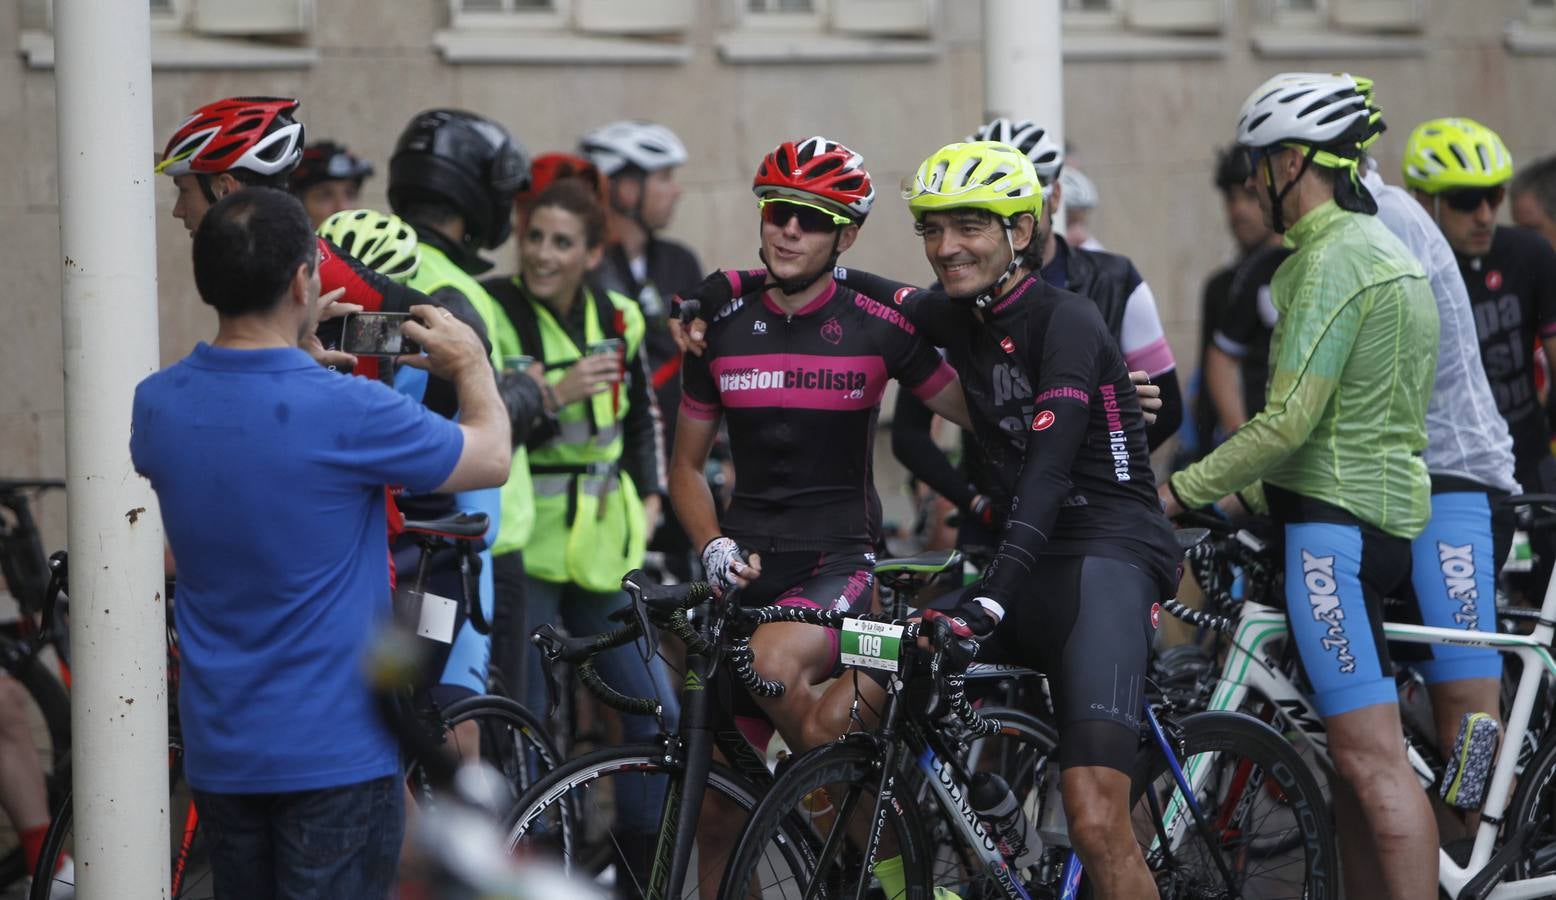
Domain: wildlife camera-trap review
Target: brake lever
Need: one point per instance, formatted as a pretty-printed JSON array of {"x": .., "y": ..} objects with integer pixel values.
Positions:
[
  {"x": 547, "y": 641},
  {"x": 689, "y": 311},
  {"x": 635, "y": 594}
]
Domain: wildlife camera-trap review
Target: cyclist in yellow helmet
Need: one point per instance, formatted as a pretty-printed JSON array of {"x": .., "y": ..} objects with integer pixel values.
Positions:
[
  {"x": 1059, "y": 422},
  {"x": 1459, "y": 170}
]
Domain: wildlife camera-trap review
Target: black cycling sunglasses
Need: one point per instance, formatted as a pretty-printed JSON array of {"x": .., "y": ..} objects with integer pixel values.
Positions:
[
  {"x": 1468, "y": 200},
  {"x": 812, "y": 219}
]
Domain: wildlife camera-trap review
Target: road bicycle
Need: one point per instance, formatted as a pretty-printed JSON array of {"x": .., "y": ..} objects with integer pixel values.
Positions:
[
  {"x": 1194, "y": 838},
  {"x": 1514, "y": 849}
]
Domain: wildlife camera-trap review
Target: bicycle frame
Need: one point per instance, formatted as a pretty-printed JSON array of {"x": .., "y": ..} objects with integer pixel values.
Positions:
[
  {"x": 704, "y": 724},
  {"x": 1252, "y": 667},
  {"x": 950, "y": 785}
]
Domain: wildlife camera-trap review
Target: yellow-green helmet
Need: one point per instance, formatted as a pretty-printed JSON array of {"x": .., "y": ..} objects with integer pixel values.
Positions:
[
  {"x": 380, "y": 241},
  {"x": 978, "y": 175},
  {"x": 1455, "y": 153}
]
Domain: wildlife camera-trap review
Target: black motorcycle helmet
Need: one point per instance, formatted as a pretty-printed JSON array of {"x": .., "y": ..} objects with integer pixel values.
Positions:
[{"x": 465, "y": 161}]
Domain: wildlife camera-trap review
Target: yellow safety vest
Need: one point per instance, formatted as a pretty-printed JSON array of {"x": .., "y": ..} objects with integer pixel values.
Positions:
[
  {"x": 589, "y": 527},
  {"x": 437, "y": 271}
]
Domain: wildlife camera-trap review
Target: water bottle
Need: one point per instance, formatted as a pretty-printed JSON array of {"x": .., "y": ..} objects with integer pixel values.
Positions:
[{"x": 996, "y": 805}]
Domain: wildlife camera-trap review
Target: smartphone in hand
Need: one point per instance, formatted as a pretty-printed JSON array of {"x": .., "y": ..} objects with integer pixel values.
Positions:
[{"x": 376, "y": 334}]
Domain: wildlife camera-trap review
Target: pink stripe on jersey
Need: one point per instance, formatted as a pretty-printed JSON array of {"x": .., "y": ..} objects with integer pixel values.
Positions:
[
  {"x": 695, "y": 408},
  {"x": 799, "y": 381},
  {"x": 1548, "y": 329},
  {"x": 935, "y": 383},
  {"x": 1155, "y": 358}
]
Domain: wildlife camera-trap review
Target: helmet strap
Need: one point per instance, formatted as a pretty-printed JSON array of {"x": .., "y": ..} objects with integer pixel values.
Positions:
[
  {"x": 792, "y": 286},
  {"x": 204, "y": 181},
  {"x": 991, "y": 293},
  {"x": 1277, "y": 199}
]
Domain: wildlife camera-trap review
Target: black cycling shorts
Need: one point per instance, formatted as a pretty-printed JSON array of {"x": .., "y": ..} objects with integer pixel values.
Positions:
[
  {"x": 811, "y": 578},
  {"x": 1088, "y": 626}
]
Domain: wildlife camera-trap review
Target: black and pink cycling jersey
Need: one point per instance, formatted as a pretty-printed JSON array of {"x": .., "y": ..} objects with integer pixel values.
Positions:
[{"x": 800, "y": 394}]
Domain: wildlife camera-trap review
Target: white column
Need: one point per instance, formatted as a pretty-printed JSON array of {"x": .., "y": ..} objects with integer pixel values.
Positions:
[
  {"x": 119, "y": 699},
  {"x": 1023, "y": 67}
]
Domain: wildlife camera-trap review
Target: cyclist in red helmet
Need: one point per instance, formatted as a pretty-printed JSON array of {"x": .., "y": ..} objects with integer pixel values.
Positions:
[
  {"x": 796, "y": 370},
  {"x": 241, "y": 142}
]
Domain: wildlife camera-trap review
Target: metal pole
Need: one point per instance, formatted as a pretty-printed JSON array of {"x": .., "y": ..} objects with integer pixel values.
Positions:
[
  {"x": 1023, "y": 66},
  {"x": 118, "y": 719}
]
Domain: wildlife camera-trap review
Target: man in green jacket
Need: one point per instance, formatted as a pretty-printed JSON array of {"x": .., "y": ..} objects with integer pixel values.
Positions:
[{"x": 1336, "y": 455}]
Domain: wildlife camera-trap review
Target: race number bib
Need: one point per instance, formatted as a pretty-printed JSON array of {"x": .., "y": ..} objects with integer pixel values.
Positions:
[{"x": 871, "y": 645}]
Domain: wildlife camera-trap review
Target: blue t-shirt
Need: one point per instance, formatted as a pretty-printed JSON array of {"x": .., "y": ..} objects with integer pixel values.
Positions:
[{"x": 270, "y": 471}]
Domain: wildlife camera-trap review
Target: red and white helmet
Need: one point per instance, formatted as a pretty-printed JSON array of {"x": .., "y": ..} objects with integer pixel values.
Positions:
[
  {"x": 819, "y": 171},
  {"x": 251, "y": 134}
]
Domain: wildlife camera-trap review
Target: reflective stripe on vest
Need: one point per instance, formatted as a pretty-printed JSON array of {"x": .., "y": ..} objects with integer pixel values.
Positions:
[{"x": 588, "y": 446}]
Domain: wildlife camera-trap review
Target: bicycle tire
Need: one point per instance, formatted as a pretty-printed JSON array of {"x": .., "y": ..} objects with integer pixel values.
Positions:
[
  {"x": 192, "y": 880},
  {"x": 530, "y": 822},
  {"x": 1533, "y": 805},
  {"x": 848, "y": 762},
  {"x": 53, "y": 707},
  {"x": 513, "y": 740},
  {"x": 1243, "y": 752}
]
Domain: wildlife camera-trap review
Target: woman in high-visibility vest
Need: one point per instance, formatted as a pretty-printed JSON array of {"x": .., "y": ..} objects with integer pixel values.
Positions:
[{"x": 599, "y": 475}]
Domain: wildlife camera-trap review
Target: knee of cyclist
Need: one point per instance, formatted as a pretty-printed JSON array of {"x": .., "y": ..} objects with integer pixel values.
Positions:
[
  {"x": 1091, "y": 831},
  {"x": 1093, "y": 820},
  {"x": 822, "y": 727},
  {"x": 1368, "y": 767}
]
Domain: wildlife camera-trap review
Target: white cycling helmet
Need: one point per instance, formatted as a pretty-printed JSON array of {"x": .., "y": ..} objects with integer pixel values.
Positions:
[
  {"x": 1079, "y": 191},
  {"x": 644, "y": 145},
  {"x": 1046, "y": 155},
  {"x": 1308, "y": 107}
]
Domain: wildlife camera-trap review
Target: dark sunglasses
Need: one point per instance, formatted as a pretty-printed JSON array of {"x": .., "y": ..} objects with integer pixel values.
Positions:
[
  {"x": 812, "y": 219},
  {"x": 1468, "y": 200}
]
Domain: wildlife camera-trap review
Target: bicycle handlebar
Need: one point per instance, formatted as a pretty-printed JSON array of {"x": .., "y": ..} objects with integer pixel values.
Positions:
[{"x": 949, "y": 649}]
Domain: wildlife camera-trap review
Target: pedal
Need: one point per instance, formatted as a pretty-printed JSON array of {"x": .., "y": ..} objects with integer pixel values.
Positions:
[{"x": 1464, "y": 783}]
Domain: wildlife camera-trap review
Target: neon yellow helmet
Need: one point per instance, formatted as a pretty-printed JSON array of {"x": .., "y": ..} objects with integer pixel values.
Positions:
[
  {"x": 979, "y": 175},
  {"x": 380, "y": 241},
  {"x": 1455, "y": 153}
]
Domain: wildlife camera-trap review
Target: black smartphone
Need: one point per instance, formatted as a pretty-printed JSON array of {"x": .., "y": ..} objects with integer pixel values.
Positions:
[{"x": 376, "y": 334}]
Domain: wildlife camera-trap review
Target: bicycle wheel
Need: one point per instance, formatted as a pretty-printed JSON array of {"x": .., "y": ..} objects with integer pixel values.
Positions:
[
  {"x": 578, "y": 815},
  {"x": 47, "y": 716},
  {"x": 1252, "y": 788},
  {"x": 507, "y": 737},
  {"x": 1020, "y": 753},
  {"x": 1534, "y": 808},
  {"x": 190, "y": 872},
  {"x": 832, "y": 788}
]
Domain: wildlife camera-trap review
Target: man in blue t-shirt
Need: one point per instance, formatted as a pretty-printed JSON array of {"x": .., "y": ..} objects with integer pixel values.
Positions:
[{"x": 270, "y": 471}]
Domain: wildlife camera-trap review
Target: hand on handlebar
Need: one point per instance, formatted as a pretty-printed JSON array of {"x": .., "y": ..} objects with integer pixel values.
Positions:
[
  {"x": 728, "y": 565},
  {"x": 972, "y": 621}
]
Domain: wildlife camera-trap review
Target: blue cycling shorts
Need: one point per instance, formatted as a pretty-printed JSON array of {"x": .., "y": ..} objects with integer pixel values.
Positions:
[
  {"x": 1454, "y": 579},
  {"x": 1338, "y": 570}
]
